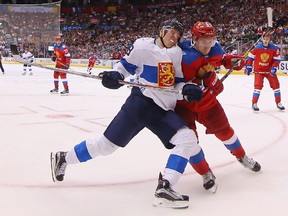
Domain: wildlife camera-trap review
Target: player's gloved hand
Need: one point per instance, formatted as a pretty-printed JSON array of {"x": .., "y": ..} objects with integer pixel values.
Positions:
[
  {"x": 66, "y": 66},
  {"x": 248, "y": 69},
  {"x": 53, "y": 58},
  {"x": 233, "y": 61},
  {"x": 211, "y": 81},
  {"x": 31, "y": 60},
  {"x": 110, "y": 79},
  {"x": 192, "y": 92},
  {"x": 273, "y": 71}
]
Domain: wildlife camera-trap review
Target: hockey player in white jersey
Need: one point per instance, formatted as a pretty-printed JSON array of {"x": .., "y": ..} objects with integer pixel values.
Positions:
[
  {"x": 156, "y": 62},
  {"x": 29, "y": 57}
]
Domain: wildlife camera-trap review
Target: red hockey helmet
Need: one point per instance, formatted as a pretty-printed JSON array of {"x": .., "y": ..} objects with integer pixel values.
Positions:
[
  {"x": 203, "y": 29},
  {"x": 58, "y": 38}
]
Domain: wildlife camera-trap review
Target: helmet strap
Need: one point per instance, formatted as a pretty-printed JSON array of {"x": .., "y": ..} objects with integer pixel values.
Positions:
[{"x": 161, "y": 38}]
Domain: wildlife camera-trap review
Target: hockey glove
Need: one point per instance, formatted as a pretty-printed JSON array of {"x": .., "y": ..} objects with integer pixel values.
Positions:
[
  {"x": 110, "y": 79},
  {"x": 191, "y": 92},
  {"x": 273, "y": 71},
  {"x": 248, "y": 69},
  {"x": 229, "y": 61},
  {"x": 211, "y": 81},
  {"x": 31, "y": 60},
  {"x": 53, "y": 58}
]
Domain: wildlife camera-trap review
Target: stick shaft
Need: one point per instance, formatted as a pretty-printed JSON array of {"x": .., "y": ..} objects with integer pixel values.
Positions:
[{"x": 18, "y": 58}]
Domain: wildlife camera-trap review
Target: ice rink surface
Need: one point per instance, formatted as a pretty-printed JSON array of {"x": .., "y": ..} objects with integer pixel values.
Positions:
[{"x": 33, "y": 123}]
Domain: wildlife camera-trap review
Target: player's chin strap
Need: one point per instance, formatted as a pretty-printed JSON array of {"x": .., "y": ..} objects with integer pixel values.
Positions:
[{"x": 162, "y": 41}]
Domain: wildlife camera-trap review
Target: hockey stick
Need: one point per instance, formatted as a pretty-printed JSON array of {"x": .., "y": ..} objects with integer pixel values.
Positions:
[
  {"x": 17, "y": 57},
  {"x": 280, "y": 22}
]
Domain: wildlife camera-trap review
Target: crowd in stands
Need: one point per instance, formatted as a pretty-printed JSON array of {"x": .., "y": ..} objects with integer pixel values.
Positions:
[{"x": 114, "y": 31}]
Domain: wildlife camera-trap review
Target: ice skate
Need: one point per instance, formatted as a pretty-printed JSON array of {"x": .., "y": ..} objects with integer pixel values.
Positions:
[
  {"x": 58, "y": 165},
  {"x": 255, "y": 107},
  {"x": 250, "y": 163},
  {"x": 165, "y": 196},
  {"x": 280, "y": 106},
  {"x": 209, "y": 182},
  {"x": 65, "y": 92},
  {"x": 24, "y": 73},
  {"x": 54, "y": 91},
  {"x": 30, "y": 73}
]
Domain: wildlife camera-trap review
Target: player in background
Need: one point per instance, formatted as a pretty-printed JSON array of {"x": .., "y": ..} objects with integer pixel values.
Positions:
[
  {"x": 201, "y": 56},
  {"x": 91, "y": 62},
  {"x": 62, "y": 58},
  {"x": 149, "y": 59},
  {"x": 1, "y": 66},
  {"x": 266, "y": 58},
  {"x": 29, "y": 57}
]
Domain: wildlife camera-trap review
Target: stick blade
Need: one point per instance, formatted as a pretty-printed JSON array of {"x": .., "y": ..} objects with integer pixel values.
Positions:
[{"x": 270, "y": 17}]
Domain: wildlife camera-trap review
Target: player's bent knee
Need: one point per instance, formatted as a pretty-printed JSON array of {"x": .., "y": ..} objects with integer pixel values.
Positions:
[
  {"x": 225, "y": 134},
  {"x": 185, "y": 142},
  {"x": 100, "y": 146}
]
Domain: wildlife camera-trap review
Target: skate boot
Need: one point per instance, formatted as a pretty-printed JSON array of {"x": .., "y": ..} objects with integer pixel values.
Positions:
[
  {"x": 165, "y": 196},
  {"x": 65, "y": 92},
  {"x": 24, "y": 73},
  {"x": 250, "y": 163},
  {"x": 255, "y": 107},
  {"x": 54, "y": 91},
  {"x": 209, "y": 181},
  {"x": 58, "y": 165},
  {"x": 280, "y": 106}
]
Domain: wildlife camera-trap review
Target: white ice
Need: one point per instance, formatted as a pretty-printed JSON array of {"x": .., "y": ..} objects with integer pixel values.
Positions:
[{"x": 33, "y": 123}]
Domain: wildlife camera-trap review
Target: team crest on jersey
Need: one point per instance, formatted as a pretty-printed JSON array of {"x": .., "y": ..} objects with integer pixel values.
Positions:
[
  {"x": 204, "y": 69},
  {"x": 264, "y": 57},
  {"x": 166, "y": 74}
]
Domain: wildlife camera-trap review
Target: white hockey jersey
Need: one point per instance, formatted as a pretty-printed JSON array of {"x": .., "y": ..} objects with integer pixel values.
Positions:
[
  {"x": 29, "y": 57},
  {"x": 152, "y": 65}
]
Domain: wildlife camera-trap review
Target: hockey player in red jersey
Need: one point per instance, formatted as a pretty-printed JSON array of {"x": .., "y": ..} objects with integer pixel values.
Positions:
[
  {"x": 62, "y": 58},
  {"x": 92, "y": 60},
  {"x": 201, "y": 56},
  {"x": 266, "y": 58}
]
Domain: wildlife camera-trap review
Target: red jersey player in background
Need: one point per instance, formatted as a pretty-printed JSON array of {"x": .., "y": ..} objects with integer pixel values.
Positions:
[
  {"x": 62, "y": 58},
  {"x": 200, "y": 58},
  {"x": 266, "y": 59},
  {"x": 92, "y": 60}
]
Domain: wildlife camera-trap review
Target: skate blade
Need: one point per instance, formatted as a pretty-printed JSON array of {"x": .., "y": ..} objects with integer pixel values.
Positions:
[
  {"x": 160, "y": 202},
  {"x": 53, "y": 162},
  {"x": 213, "y": 189},
  {"x": 281, "y": 110}
]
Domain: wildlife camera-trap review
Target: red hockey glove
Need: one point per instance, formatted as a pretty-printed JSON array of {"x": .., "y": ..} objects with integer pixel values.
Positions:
[
  {"x": 213, "y": 83},
  {"x": 229, "y": 61}
]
